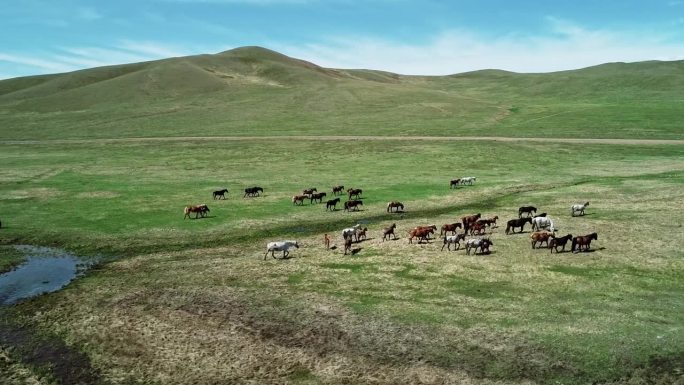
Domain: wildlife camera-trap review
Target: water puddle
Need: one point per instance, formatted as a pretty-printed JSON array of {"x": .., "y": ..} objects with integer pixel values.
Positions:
[{"x": 45, "y": 270}]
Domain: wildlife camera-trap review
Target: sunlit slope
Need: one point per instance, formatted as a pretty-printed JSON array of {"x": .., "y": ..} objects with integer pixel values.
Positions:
[{"x": 254, "y": 91}]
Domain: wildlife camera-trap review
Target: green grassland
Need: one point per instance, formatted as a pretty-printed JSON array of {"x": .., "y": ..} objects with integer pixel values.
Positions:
[{"x": 192, "y": 301}]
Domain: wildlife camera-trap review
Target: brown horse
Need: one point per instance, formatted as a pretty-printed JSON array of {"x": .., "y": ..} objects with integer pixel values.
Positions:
[
  {"x": 386, "y": 232},
  {"x": 468, "y": 220},
  {"x": 354, "y": 192},
  {"x": 514, "y": 223},
  {"x": 349, "y": 205},
  {"x": 477, "y": 227},
  {"x": 583, "y": 241},
  {"x": 338, "y": 190},
  {"x": 488, "y": 221},
  {"x": 361, "y": 233},
  {"x": 454, "y": 183},
  {"x": 396, "y": 205},
  {"x": 540, "y": 237},
  {"x": 326, "y": 241},
  {"x": 199, "y": 210},
  {"x": 555, "y": 243},
  {"x": 317, "y": 197},
  {"x": 298, "y": 200},
  {"x": 309, "y": 191},
  {"x": 423, "y": 234},
  {"x": 449, "y": 227},
  {"x": 332, "y": 204}
]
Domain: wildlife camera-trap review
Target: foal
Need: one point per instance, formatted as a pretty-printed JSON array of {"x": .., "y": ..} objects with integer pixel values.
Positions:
[{"x": 389, "y": 231}]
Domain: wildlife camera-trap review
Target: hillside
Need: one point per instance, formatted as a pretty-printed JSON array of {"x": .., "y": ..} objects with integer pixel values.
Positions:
[{"x": 255, "y": 91}]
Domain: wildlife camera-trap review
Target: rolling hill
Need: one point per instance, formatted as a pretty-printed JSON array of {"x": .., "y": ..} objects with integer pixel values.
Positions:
[{"x": 255, "y": 91}]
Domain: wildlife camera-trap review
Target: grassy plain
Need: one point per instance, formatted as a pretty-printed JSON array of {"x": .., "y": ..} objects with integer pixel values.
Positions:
[{"x": 193, "y": 302}]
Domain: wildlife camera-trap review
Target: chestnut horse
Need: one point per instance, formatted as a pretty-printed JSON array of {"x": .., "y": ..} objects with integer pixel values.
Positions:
[
  {"x": 488, "y": 221},
  {"x": 338, "y": 190},
  {"x": 477, "y": 227},
  {"x": 526, "y": 210},
  {"x": 199, "y": 210},
  {"x": 583, "y": 241},
  {"x": 298, "y": 199},
  {"x": 514, "y": 223},
  {"x": 468, "y": 220},
  {"x": 449, "y": 227},
  {"x": 540, "y": 237},
  {"x": 423, "y": 234},
  {"x": 555, "y": 243},
  {"x": 354, "y": 192},
  {"x": 395, "y": 204}
]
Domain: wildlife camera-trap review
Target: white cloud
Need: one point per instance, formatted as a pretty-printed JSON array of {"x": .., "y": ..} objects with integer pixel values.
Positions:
[{"x": 566, "y": 46}]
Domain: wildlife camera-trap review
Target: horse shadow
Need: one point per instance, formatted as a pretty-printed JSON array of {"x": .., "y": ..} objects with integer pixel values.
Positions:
[
  {"x": 398, "y": 212},
  {"x": 356, "y": 250},
  {"x": 364, "y": 240},
  {"x": 588, "y": 251}
]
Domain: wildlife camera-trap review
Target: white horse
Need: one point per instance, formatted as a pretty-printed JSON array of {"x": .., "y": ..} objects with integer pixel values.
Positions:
[
  {"x": 453, "y": 240},
  {"x": 351, "y": 231},
  {"x": 475, "y": 243},
  {"x": 467, "y": 180},
  {"x": 539, "y": 223},
  {"x": 578, "y": 209},
  {"x": 283, "y": 246}
]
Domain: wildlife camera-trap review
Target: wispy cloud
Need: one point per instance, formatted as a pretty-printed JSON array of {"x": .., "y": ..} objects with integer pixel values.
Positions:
[{"x": 565, "y": 45}]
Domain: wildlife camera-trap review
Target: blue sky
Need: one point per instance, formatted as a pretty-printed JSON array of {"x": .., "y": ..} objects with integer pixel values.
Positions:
[{"x": 412, "y": 37}]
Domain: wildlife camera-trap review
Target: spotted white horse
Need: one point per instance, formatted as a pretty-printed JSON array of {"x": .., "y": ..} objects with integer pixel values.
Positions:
[
  {"x": 467, "y": 180},
  {"x": 351, "y": 232},
  {"x": 578, "y": 209},
  {"x": 283, "y": 246},
  {"x": 539, "y": 223}
]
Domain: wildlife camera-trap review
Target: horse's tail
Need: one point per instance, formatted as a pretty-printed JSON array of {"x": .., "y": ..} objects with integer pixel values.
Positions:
[
  {"x": 508, "y": 227},
  {"x": 574, "y": 243}
]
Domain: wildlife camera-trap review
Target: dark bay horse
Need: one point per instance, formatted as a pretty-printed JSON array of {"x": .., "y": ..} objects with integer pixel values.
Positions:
[
  {"x": 332, "y": 204},
  {"x": 454, "y": 183},
  {"x": 220, "y": 194},
  {"x": 583, "y": 241},
  {"x": 396, "y": 205},
  {"x": 338, "y": 190},
  {"x": 555, "y": 243},
  {"x": 253, "y": 191},
  {"x": 515, "y": 223},
  {"x": 354, "y": 192},
  {"x": 317, "y": 197},
  {"x": 309, "y": 191},
  {"x": 526, "y": 210},
  {"x": 349, "y": 205}
]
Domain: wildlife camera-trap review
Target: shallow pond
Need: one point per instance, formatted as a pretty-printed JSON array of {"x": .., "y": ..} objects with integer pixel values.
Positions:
[{"x": 45, "y": 270}]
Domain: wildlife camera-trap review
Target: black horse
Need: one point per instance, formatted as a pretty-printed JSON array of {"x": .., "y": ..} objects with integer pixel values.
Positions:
[
  {"x": 514, "y": 223},
  {"x": 526, "y": 210},
  {"x": 220, "y": 194},
  {"x": 332, "y": 204},
  {"x": 253, "y": 191},
  {"x": 555, "y": 243}
]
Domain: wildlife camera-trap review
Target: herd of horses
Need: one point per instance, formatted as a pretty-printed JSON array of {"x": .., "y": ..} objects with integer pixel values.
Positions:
[{"x": 543, "y": 233}]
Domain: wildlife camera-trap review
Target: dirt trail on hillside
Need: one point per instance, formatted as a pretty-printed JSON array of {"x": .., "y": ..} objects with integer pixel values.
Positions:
[{"x": 359, "y": 138}]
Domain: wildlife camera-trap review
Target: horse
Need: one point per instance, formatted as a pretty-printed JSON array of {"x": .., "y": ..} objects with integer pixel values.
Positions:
[
  {"x": 338, "y": 190},
  {"x": 488, "y": 221},
  {"x": 348, "y": 205},
  {"x": 539, "y": 223},
  {"x": 326, "y": 241},
  {"x": 542, "y": 215},
  {"x": 468, "y": 180},
  {"x": 514, "y": 223},
  {"x": 283, "y": 246},
  {"x": 332, "y": 204},
  {"x": 475, "y": 243},
  {"x": 395, "y": 204},
  {"x": 468, "y": 219},
  {"x": 199, "y": 210},
  {"x": 309, "y": 191},
  {"x": 527, "y": 210},
  {"x": 454, "y": 183},
  {"x": 252, "y": 191},
  {"x": 578, "y": 208},
  {"x": 351, "y": 232},
  {"x": 298, "y": 199},
  {"x": 540, "y": 237},
  {"x": 220, "y": 194},
  {"x": 386, "y": 232},
  {"x": 449, "y": 227},
  {"x": 583, "y": 240},
  {"x": 317, "y": 197},
  {"x": 354, "y": 192},
  {"x": 423, "y": 234},
  {"x": 348, "y": 245},
  {"x": 361, "y": 233},
  {"x": 430, "y": 229},
  {"x": 478, "y": 227},
  {"x": 453, "y": 240},
  {"x": 555, "y": 243}
]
